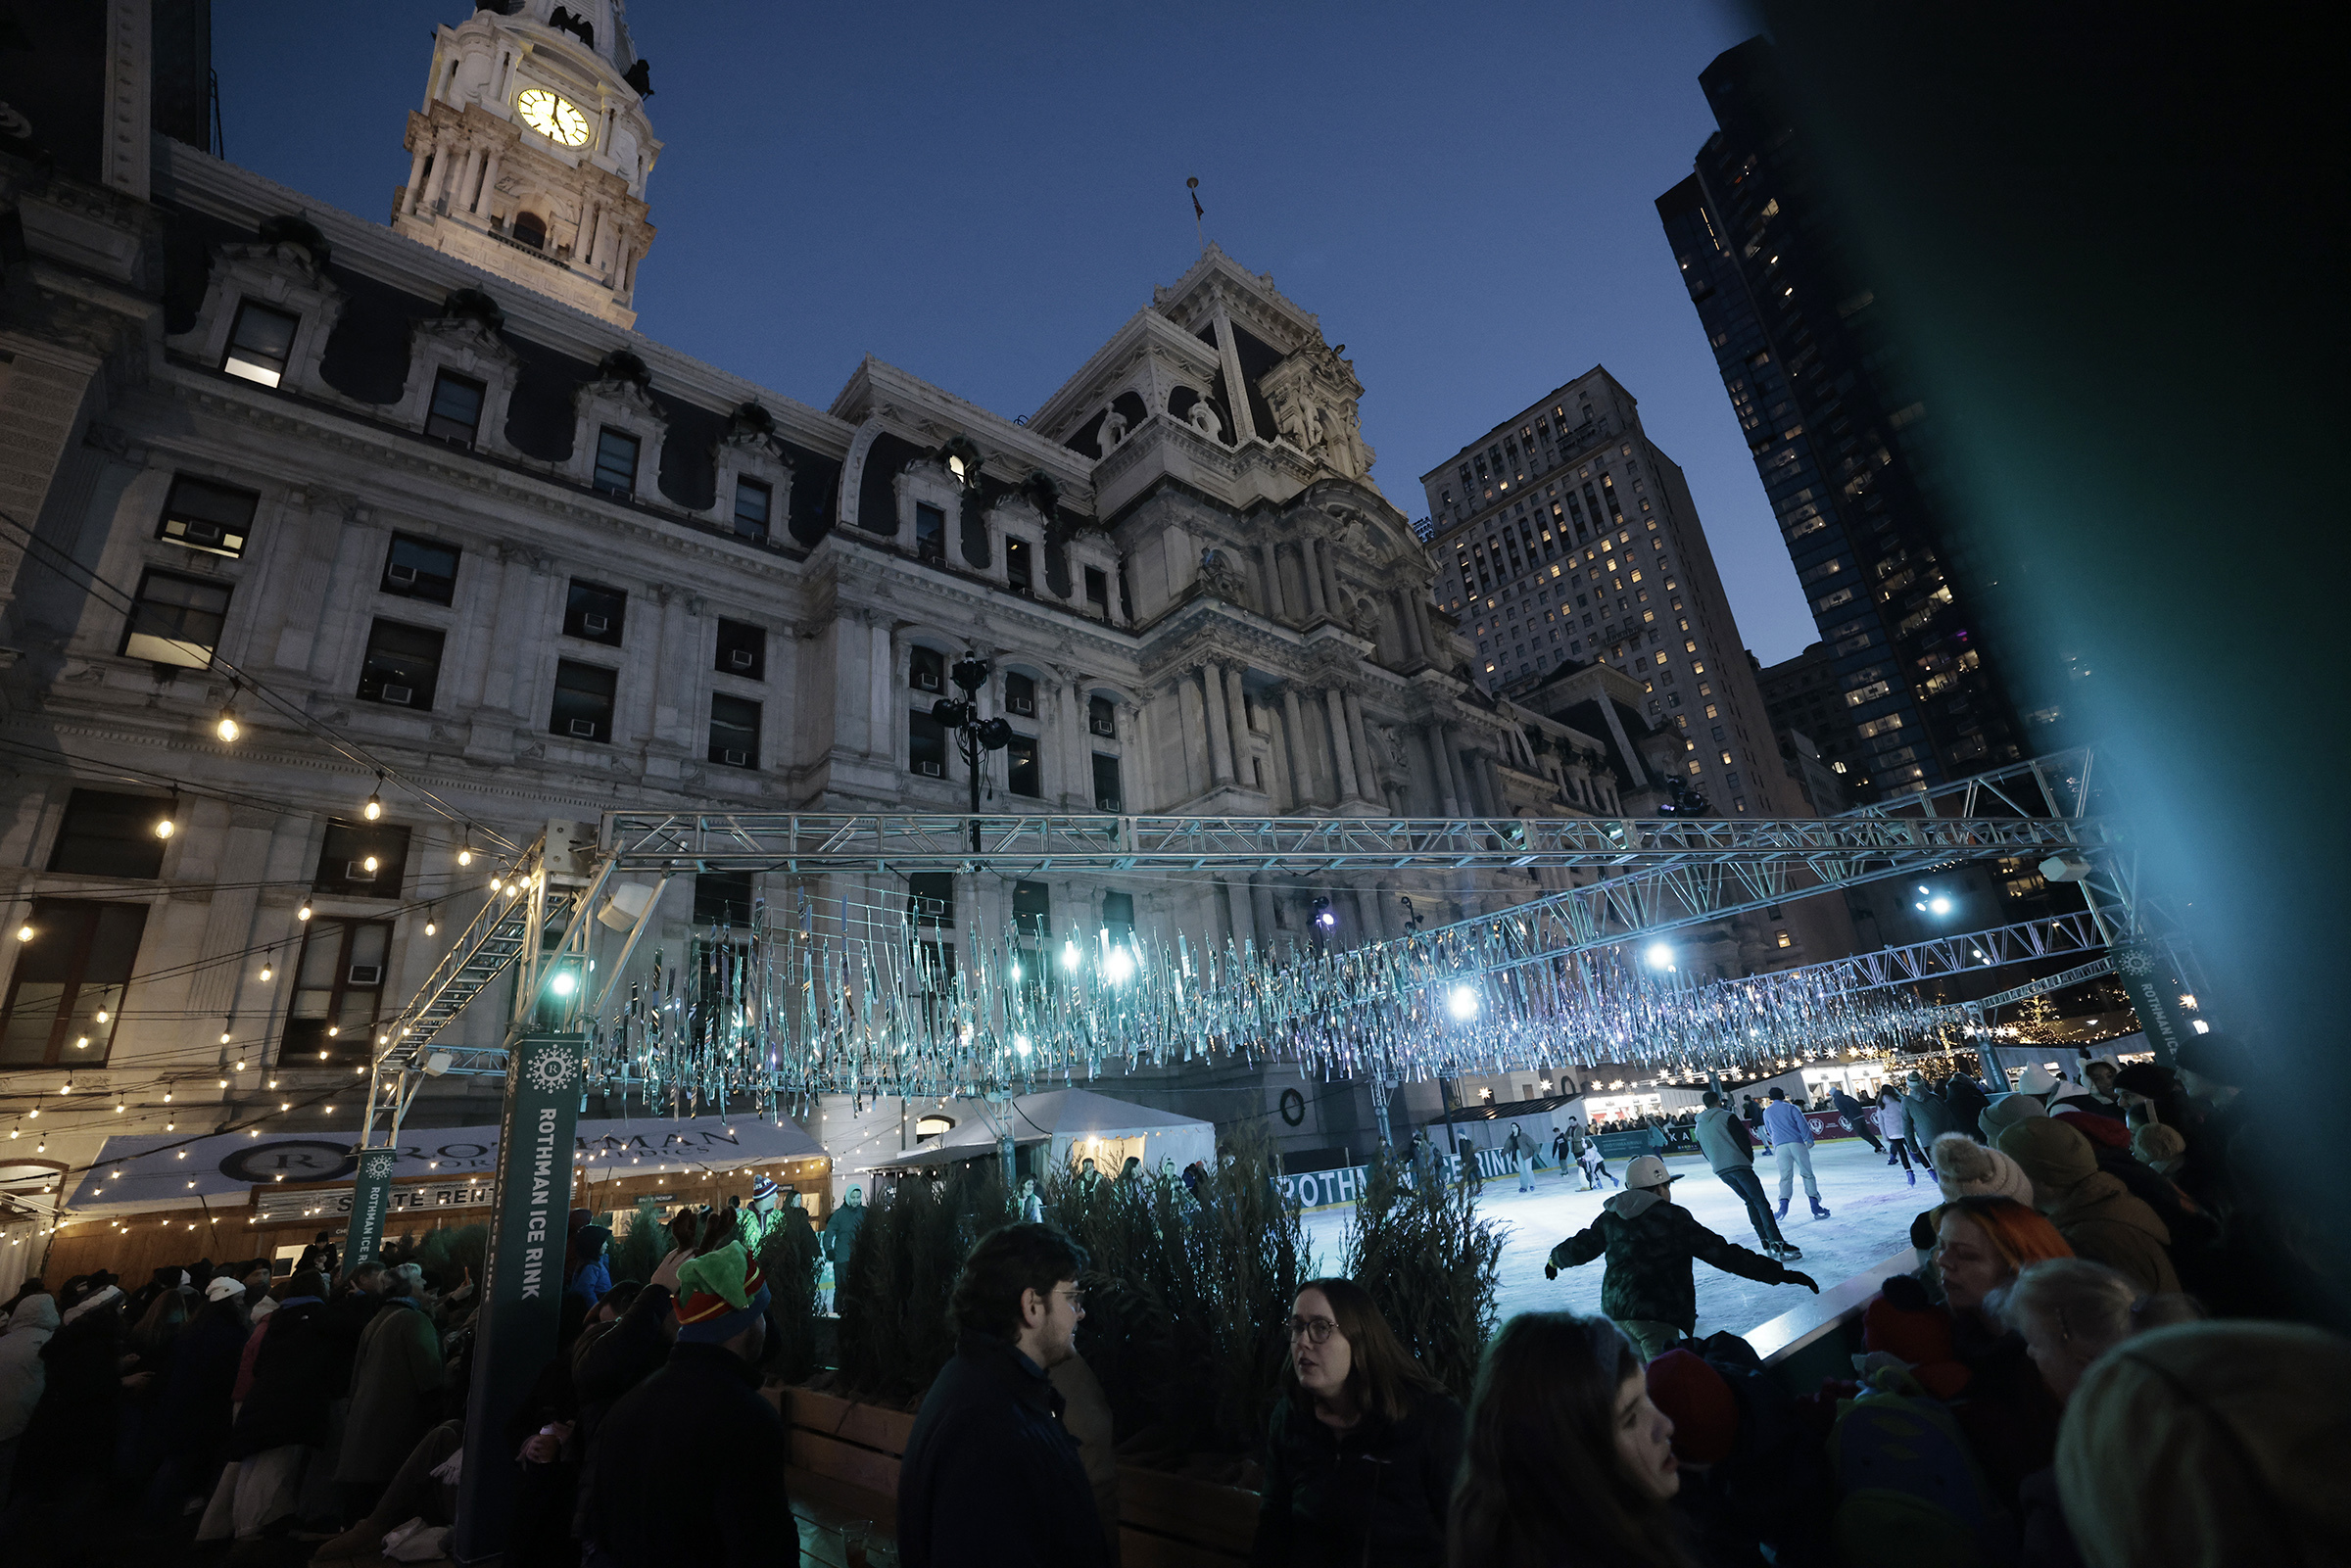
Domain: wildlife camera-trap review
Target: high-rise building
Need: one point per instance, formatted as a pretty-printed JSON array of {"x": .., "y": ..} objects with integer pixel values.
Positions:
[
  {"x": 1563, "y": 536},
  {"x": 1836, "y": 428},
  {"x": 1802, "y": 696}
]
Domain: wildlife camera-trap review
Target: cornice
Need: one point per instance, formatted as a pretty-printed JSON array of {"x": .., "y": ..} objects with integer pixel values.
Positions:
[{"x": 881, "y": 389}]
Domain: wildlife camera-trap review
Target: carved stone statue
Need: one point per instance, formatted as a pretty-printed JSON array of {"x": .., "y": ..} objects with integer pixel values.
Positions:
[
  {"x": 1367, "y": 619},
  {"x": 1204, "y": 419},
  {"x": 1114, "y": 431},
  {"x": 1220, "y": 577}
]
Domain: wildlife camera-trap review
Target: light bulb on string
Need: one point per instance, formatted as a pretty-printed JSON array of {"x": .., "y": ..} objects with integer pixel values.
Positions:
[
  {"x": 373, "y": 810},
  {"x": 227, "y": 726},
  {"x": 464, "y": 853},
  {"x": 101, "y": 1015},
  {"x": 303, "y": 913},
  {"x": 169, "y": 823},
  {"x": 26, "y": 932},
  {"x": 269, "y": 967},
  {"x": 430, "y": 927}
]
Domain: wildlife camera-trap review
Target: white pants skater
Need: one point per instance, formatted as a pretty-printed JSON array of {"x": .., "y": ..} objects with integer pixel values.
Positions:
[{"x": 1793, "y": 1157}]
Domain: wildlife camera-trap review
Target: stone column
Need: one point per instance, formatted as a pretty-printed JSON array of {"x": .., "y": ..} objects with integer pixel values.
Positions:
[
  {"x": 1268, "y": 564},
  {"x": 882, "y": 739},
  {"x": 1360, "y": 736},
  {"x": 1261, "y": 906},
  {"x": 1236, "y": 387},
  {"x": 1342, "y": 756},
  {"x": 1219, "y": 731},
  {"x": 1301, "y": 771},
  {"x": 1332, "y": 596},
  {"x": 1449, "y": 782},
  {"x": 1311, "y": 569},
  {"x": 444, "y": 145},
  {"x": 1244, "y": 918},
  {"x": 1074, "y": 754},
  {"x": 1236, "y": 710},
  {"x": 1138, "y": 780},
  {"x": 482, "y": 199},
  {"x": 1192, "y": 724},
  {"x": 416, "y": 191}
]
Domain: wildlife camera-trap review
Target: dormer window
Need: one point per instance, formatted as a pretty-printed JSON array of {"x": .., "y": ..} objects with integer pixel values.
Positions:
[
  {"x": 753, "y": 502},
  {"x": 530, "y": 229},
  {"x": 261, "y": 344},
  {"x": 455, "y": 415},
  {"x": 615, "y": 462}
]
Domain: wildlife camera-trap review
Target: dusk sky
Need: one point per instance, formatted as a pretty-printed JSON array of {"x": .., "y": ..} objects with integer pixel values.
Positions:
[{"x": 980, "y": 195}]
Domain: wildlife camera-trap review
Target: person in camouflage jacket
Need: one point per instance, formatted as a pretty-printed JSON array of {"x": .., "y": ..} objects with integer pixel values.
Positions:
[{"x": 1648, "y": 1241}]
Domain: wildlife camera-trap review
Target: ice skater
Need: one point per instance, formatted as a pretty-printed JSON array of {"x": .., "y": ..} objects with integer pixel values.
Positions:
[
  {"x": 1889, "y": 1125},
  {"x": 1650, "y": 1242},
  {"x": 1596, "y": 1166},
  {"x": 1858, "y": 1117},
  {"x": 1731, "y": 1152},
  {"x": 1791, "y": 1140},
  {"x": 1522, "y": 1151}
]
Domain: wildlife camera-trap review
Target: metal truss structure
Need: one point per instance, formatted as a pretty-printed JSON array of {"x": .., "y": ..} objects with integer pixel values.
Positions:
[{"x": 1629, "y": 879}]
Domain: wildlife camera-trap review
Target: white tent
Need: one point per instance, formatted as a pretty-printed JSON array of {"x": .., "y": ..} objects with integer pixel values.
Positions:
[{"x": 1074, "y": 1125}]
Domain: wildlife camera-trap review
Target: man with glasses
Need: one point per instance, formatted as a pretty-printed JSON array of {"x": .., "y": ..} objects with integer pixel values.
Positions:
[{"x": 990, "y": 1474}]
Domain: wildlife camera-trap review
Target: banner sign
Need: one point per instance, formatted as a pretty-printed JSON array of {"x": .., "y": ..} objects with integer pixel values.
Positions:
[
  {"x": 371, "y": 1199},
  {"x": 523, "y": 1287},
  {"x": 1829, "y": 1124},
  {"x": 2154, "y": 992},
  {"x": 271, "y": 1204}
]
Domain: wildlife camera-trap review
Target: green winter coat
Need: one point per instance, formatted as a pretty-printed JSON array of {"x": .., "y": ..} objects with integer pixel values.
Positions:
[{"x": 1650, "y": 1242}]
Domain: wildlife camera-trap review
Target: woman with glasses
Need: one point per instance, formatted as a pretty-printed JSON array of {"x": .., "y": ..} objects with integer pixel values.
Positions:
[
  {"x": 1568, "y": 1463},
  {"x": 1361, "y": 1456}
]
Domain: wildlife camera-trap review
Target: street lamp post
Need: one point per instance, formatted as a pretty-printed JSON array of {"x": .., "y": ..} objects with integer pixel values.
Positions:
[{"x": 975, "y": 736}]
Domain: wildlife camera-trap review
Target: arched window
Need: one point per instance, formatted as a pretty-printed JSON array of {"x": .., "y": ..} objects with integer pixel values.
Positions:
[{"x": 530, "y": 229}]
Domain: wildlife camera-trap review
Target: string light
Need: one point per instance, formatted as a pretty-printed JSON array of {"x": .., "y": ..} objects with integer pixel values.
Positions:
[
  {"x": 374, "y": 809},
  {"x": 26, "y": 932},
  {"x": 303, "y": 913},
  {"x": 269, "y": 967},
  {"x": 464, "y": 855},
  {"x": 169, "y": 823},
  {"x": 227, "y": 726},
  {"x": 429, "y": 926}
]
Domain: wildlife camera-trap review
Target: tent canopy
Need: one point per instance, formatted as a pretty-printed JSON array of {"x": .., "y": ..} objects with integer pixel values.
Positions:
[{"x": 1069, "y": 1121}]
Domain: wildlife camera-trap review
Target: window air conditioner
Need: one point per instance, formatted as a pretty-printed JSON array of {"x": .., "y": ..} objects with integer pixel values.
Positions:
[
  {"x": 367, "y": 975},
  {"x": 1019, "y": 705},
  {"x": 929, "y": 770},
  {"x": 355, "y": 871},
  {"x": 738, "y": 759},
  {"x": 203, "y": 532},
  {"x": 401, "y": 695},
  {"x": 1107, "y": 803},
  {"x": 404, "y": 576},
  {"x": 739, "y": 658},
  {"x": 926, "y": 680},
  {"x": 1104, "y": 727},
  {"x": 583, "y": 726},
  {"x": 595, "y": 625}
]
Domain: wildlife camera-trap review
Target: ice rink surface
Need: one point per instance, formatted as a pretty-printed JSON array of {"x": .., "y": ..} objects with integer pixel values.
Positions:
[{"x": 1870, "y": 1204}]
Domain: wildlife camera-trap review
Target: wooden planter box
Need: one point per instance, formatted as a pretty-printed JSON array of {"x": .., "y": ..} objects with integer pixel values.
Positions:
[{"x": 853, "y": 1452}]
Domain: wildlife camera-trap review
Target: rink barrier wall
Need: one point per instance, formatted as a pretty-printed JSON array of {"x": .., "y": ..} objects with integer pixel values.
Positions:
[
  {"x": 1819, "y": 1339},
  {"x": 852, "y": 1452}
]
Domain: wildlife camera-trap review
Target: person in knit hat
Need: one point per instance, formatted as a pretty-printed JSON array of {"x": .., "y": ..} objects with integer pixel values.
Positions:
[
  {"x": 2091, "y": 1210},
  {"x": 2211, "y": 1443},
  {"x": 1964, "y": 1166},
  {"x": 696, "y": 1429},
  {"x": 2004, "y": 1111}
]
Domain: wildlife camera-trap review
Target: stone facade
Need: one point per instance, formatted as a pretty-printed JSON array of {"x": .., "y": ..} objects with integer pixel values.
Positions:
[{"x": 435, "y": 528}]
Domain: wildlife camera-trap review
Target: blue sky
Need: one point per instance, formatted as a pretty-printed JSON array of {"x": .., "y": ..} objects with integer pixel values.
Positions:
[{"x": 982, "y": 195}]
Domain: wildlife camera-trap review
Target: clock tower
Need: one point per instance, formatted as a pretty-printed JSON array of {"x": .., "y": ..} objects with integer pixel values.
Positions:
[{"x": 530, "y": 154}]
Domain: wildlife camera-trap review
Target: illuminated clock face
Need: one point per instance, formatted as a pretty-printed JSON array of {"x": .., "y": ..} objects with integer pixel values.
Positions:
[{"x": 553, "y": 116}]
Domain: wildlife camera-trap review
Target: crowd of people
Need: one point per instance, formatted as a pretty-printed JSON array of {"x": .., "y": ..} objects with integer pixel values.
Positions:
[{"x": 2096, "y": 1361}]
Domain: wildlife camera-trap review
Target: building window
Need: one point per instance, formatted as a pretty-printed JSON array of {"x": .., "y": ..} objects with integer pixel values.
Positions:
[
  {"x": 926, "y": 746},
  {"x": 217, "y": 519},
  {"x": 108, "y": 834},
  {"x": 930, "y": 533},
  {"x": 594, "y": 613},
  {"x": 930, "y": 897},
  {"x": 1032, "y": 911},
  {"x": 260, "y": 344},
  {"x": 1097, "y": 588},
  {"x": 1021, "y": 772},
  {"x": 1020, "y": 694},
  {"x": 361, "y": 860},
  {"x": 742, "y": 650},
  {"x": 721, "y": 898},
  {"x": 1117, "y": 915},
  {"x": 752, "y": 501},
  {"x": 176, "y": 620},
  {"x": 583, "y": 706},
  {"x": 402, "y": 666},
  {"x": 734, "y": 730},
  {"x": 455, "y": 415},
  {"x": 1102, "y": 716},
  {"x": 338, "y": 990},
  {"x": 420, "y": 568},
  {"x": 1783, "y": 938},
  {"x": 77, "y": 963},
  {"x": 530, "y": 229},
  {"x": 615, "y": 462},
  {"x": 927, "y": 670},
  {"x": 1017, "y": 571},
  {"x": 1107, "y": 795}
]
